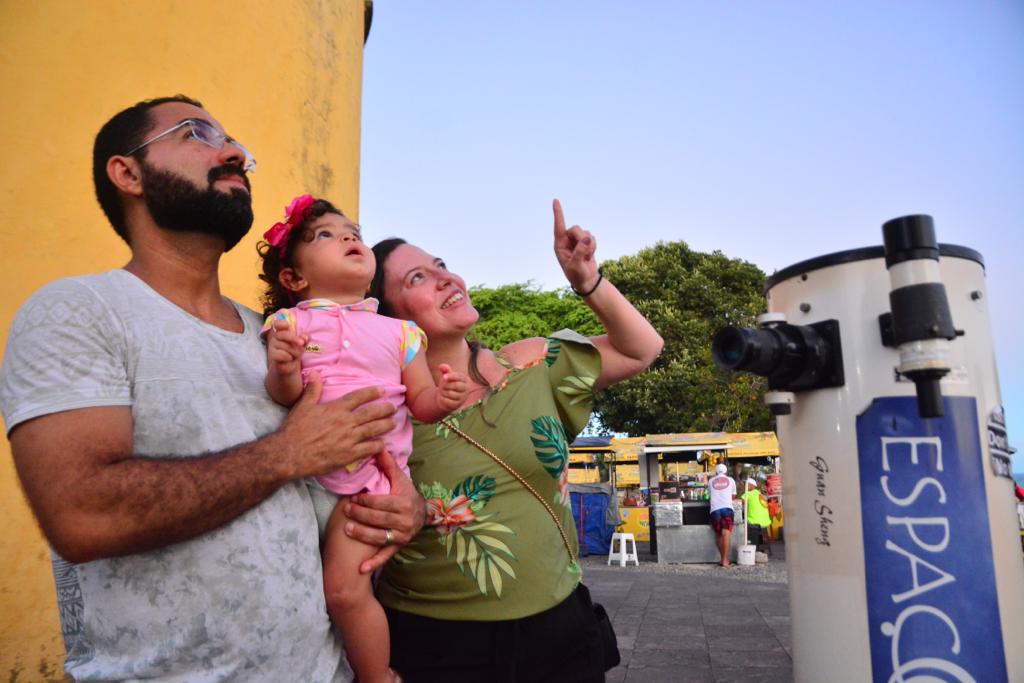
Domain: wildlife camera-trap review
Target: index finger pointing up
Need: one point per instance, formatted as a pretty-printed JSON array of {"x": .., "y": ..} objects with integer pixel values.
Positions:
[{"x": 559, "y": 220}]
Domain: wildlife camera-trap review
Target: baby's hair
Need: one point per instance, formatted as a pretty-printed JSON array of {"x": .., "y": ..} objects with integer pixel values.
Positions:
[{"x": 275, "y": 296}]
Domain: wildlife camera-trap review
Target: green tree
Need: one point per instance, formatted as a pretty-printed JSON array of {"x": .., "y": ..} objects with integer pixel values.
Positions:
[
  {"x": 687, "y": 296},
  {"x": 512, "y": 312}
]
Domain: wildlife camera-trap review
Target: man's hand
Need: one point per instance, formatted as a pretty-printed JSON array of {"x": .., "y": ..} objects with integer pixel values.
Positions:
[
  {"x": 318, "y": 438},
  {"x": 401, "y": 512},
  {"x": 452, "y": 389}
]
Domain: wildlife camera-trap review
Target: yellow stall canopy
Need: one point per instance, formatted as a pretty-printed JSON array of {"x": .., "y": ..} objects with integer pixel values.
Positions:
[
  {"x": 620, "y": 449},
  {"x": 628, "y": 448},
  {"x": 753, "y": 445},
  {"x": 705, "y": 439},
  {"x": 736, "y": 445},
  {"x": 679, "y": 450}
]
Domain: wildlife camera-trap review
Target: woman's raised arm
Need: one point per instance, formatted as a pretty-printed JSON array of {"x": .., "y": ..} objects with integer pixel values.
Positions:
[{"x": 630, "y": 344}]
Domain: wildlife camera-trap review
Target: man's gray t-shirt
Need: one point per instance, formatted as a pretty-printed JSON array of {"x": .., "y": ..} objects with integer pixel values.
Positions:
[{"x": 243, "y": 602}]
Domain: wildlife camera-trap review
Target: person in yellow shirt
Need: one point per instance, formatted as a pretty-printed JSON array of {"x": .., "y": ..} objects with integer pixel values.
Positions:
[{"x": 758, "y": 519}]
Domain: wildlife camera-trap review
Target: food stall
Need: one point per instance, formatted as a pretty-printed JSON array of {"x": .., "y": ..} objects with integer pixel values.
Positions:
[
  {"x": 661, "y": 485},
  {"x": 681, "y": 522}
]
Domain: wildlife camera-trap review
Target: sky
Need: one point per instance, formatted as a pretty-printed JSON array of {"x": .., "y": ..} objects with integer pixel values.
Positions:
[{"x": 771, "y": 131}]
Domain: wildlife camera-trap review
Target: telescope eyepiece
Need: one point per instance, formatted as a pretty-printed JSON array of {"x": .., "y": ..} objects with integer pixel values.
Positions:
[
  {"x": 922, "y": 325},
  {"x": 908, "y": 238}
]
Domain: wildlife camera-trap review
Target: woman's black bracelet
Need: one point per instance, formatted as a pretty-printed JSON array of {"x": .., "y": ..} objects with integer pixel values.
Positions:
[{"x": 584, "y": 295}]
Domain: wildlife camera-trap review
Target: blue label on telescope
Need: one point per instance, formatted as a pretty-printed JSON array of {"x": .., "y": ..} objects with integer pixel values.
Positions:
[{"x": 933, "y": 613}]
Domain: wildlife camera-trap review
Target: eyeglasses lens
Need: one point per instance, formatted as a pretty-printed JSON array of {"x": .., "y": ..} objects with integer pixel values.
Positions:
[{"x": 208, "y": 135}]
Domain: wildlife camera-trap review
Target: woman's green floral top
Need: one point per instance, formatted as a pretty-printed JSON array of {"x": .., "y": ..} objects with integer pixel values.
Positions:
[{"x": 490, "y": 550}]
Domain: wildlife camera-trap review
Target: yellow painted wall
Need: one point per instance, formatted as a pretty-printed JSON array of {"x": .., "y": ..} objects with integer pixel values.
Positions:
[
  {"x": 627, "y": 475},
  {"x": 636, "y": 521},
  {"x": 579, "y": 475},
  {"x": 283, "y": 77}
]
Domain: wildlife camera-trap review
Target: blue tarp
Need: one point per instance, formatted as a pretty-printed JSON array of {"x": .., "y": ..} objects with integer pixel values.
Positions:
[{"x": 596, "y": 512}]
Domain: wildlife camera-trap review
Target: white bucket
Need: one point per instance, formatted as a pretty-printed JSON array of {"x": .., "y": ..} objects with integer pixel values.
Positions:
[{"x": 745, "y": 555}]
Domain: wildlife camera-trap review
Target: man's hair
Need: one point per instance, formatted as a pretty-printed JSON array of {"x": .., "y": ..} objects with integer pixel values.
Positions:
[{"x": 126, "y": 130}]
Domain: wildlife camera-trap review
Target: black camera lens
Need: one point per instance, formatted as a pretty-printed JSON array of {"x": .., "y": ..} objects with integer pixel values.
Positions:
[
  {"x": 744, "y": 348},
  {"x": 792, "y": 357},
  {"x": 728, "y": 347}
]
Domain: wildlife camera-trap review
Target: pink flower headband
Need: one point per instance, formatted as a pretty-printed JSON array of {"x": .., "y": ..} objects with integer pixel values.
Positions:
[{"x": 296, "y": 212}]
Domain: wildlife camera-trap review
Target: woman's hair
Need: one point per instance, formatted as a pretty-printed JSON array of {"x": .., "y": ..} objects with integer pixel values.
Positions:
[
  {"x": 275, "y": 296},
  {"x": 381, "y": 251}
]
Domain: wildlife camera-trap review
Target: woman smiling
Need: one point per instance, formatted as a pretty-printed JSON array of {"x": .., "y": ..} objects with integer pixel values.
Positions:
[{"x": 490, "y": 589}]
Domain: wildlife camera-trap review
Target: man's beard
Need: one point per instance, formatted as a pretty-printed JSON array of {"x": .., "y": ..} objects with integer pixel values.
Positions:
[{"x": 177, "y": 204}]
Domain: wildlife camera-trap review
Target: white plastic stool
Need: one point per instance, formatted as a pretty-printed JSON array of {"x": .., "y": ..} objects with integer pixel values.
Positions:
[{"x": 623, "y": 554}]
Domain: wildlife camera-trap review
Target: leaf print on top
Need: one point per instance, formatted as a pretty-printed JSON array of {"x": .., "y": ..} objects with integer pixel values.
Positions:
[
  {"x": 579, "y": 389},
  {"x": 551, "y": 445},
  {"x": 554, "y": 348},
  {"x": 479, "y": 488},
  {"x": 455, "y": 517},
  {"x": 441, "y": 429},
  {"x": 407, "y": 555}
]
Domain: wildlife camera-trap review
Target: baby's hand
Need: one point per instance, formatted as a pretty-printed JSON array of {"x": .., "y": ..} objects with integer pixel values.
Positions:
[
  {"x": 284, "y": 348},
  {"x": 452, "y": 389}
]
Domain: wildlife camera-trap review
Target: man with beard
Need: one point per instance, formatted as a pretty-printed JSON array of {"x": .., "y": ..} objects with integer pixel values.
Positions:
[{"x": 169, "y": 485}]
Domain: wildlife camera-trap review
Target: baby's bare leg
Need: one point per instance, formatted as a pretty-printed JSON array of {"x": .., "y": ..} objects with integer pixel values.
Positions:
[{"x": 351, "y": 603}]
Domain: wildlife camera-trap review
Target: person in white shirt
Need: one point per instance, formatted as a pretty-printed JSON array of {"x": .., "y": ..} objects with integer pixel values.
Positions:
[{"x": 722, "y": 493}]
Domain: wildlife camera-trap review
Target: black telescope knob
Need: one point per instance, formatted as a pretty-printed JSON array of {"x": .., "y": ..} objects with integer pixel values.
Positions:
[{"x": 909, "y": 237}]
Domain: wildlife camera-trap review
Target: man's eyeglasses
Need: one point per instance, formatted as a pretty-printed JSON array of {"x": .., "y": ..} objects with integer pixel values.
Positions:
[{"x": 206, "y": 134}]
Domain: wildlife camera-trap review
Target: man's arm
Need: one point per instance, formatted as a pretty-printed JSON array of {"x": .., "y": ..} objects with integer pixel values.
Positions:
[{"x": 94, "y": 498}]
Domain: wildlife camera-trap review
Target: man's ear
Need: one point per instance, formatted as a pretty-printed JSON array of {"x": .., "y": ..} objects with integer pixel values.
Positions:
[
  {"x": 125, "y": 174},
  {"x": 291, "y": 280}
]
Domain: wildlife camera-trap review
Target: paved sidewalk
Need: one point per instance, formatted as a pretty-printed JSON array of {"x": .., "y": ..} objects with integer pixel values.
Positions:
[{"x": 695, "y": 623}]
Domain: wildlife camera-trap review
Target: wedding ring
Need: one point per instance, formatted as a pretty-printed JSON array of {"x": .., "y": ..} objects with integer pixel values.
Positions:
[{"x": 388, "y": 540}]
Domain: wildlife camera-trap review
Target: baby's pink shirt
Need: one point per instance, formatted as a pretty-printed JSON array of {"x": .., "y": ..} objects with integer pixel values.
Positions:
[{"x": 352, "y": 347}]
